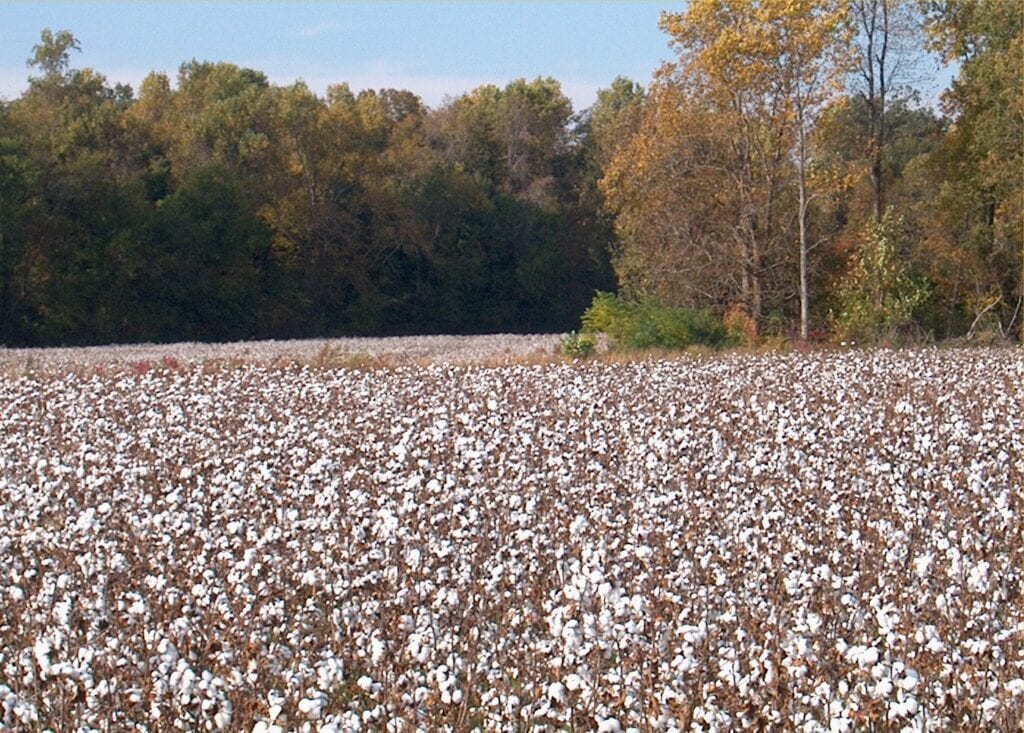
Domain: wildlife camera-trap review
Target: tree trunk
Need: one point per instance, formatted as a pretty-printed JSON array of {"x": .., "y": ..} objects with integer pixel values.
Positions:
[
  {"x": 802, "y": 221},
  {"x": 804, "y": 293}
]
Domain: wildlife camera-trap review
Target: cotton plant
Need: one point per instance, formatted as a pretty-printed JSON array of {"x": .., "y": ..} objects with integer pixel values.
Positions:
[{"x": 820, "y": 542}]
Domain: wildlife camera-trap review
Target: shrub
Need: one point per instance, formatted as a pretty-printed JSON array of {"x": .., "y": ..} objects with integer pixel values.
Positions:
[
  {"x": 741, "y": 328},
  {"x": 578, "y": 345},
  {"x": 649, "y": 324},
  {"x": 879, "y": 294}
]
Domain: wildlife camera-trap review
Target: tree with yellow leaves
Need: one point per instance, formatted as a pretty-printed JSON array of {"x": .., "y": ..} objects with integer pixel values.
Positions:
[{"x": 737, "y": 106}]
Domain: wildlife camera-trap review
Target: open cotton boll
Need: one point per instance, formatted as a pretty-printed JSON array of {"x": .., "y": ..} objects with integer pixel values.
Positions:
[
  {"x": 262, "y": 726},
  {"x": 313, "y": 706},
  {"x": 557, "y": 692}
]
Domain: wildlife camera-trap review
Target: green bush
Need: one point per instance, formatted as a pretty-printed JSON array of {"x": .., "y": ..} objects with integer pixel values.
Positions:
[
  {"x": 878, "y": 297},
  {"x": 578, "y": 345},
  {"x": 649, "y": 324}
]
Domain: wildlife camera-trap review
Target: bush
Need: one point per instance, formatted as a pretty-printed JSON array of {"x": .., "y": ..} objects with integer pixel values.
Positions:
[
  {"x": 649, "y": 324},
  {"x": 578, "y": 345},
  {"x": 878, "y": 297},
  {"x": 741, "y": 328}
]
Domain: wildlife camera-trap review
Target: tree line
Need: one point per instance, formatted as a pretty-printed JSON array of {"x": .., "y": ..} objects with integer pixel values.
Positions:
[
  {"x": 224, "y": 207},
  {"x": 779, "y": 167}
]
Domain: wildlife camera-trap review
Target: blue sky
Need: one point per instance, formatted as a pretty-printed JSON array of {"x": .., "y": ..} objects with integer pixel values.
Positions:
[{"x": 431, "y": 48}]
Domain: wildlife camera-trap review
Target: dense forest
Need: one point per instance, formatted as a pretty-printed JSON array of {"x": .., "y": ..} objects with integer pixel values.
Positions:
[{"x": 783, "y": 166}]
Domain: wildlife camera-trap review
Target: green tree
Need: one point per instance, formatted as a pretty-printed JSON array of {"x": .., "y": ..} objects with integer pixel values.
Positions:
[
  {"x": 879, "y": 294},
  {"x": 87, "y": 212},
  {"x": 976, "y": 242},
  {"x": 18, "y": 204},
  {"x": 202, "y": 280}
]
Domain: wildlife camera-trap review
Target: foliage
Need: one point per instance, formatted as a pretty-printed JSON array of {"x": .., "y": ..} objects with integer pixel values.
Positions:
[
  {"x": 577, "y": 345},
  {"x": 647, "y": 323},
  {"x": 739, "y": 180},
  {"x": 975, "y": 235},
  {"x": 739, "y": 326},
  {"x": 224, "y": 206},
  {"x": 878, "y": 296},
  {"x": 705, "y": 192}
]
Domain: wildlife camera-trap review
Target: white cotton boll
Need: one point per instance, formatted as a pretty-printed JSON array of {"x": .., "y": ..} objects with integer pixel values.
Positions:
[
  {"x": 555, "y": 622},
  {"x": 902, "y": 708},
  {"x": 222, "y": 719},
  {"x": 909, "y": 680},
  {"x": 16, "y": 593},
  {"x": 573, "y": 682},
  {"x": 264, "y": 727},
  {"x": 694, "y": 635},
  {"x": 840, "y": 725},
  {"x": 167, "y": 650},
  {"x": 868, "y": 657},
  {"x": 882, "y": 688},
  {"x": 978, "y": 580},
  {"x": 273, "y": 711},
  {"x": 990, "y": 707},
  {"x": 86, "y": 520},
  {"x": 377, "y": 651},
  {"x": 608, "y": 725},
  {"x": 62, "y": 612},
  {"x": 313, "y": 706},
  {"x": 572, "y": 637},
  {"x": 41, "y": 650},
  {"x": 556, "y": 692},
  {"x": 365, "y": 683}
]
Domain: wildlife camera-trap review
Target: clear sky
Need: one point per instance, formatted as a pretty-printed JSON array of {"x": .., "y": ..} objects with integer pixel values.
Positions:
[{"x": 431, "y": 48}]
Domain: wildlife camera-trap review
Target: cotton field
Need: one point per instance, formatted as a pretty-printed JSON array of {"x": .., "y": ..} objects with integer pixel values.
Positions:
[
  {"x": 813, "y": 542},
  {"x": 353, "y": 352}
]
